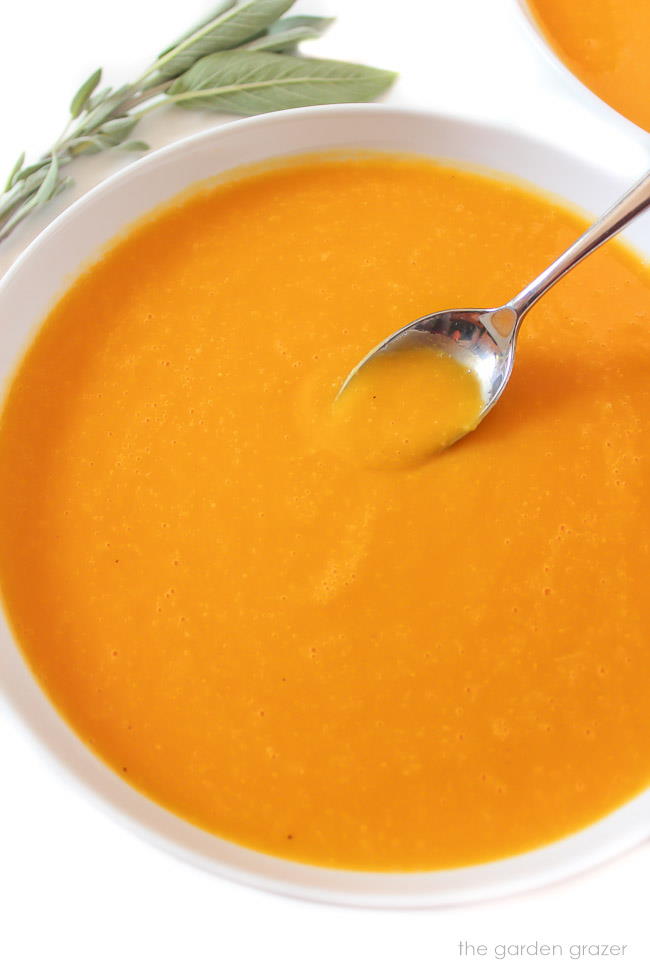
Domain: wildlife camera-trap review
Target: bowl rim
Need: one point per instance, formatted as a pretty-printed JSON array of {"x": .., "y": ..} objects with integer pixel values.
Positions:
[
  {"x": 580, "y": 91},
  {"x": 619, "y": 831}
]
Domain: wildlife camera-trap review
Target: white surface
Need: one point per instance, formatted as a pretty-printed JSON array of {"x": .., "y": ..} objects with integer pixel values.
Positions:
[{"x": 83, "y": 895}]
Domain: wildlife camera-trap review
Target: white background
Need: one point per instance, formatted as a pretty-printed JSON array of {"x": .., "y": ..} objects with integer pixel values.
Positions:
[{"x": 77, "y": 893}]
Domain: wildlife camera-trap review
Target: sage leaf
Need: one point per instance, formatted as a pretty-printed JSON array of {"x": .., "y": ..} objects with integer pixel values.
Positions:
[
  {"x": 216, "y": 12},
  {"x": 253, "y": 82},
  {"x": 119, "y": 124},
  {"x": 136, "y": 145},
  {"x": 17, "y": 167},
  {"x": 97, "y": 97},
  {"x": 89, "y": 146},
  {"x": 8, "y": 204},
  {"x": 17, "y": 216},
  {"x": 237, "y": 24},
  {"x": 33, "y": 168},
  {"x": 285, "y": 39},
  {"x": 64, "y": 183},
  {"x": 316, "y": 24},
  {"x": 104, "y": 110},
  {"x": 81, "y": 97},
  {"x": 32, "y": 203},
  {"x": 21, "y": 190},
  {"x": 48, "y": 186},
  {"x": 117, "y": 130},
  {"x": 319, "y": 24}
]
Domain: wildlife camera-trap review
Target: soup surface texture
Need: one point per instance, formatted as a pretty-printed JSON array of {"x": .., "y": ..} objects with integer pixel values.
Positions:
[
  {"x": 395, "y": 668},
  {"x": 604, "y": 43}
]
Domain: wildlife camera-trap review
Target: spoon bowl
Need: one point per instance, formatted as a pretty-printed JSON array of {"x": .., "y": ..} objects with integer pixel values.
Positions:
[
  {"x": 478, "y": 338},
  {"x": 483, "y": 340}
]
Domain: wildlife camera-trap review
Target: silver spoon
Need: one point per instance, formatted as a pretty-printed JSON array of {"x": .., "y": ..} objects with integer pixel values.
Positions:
[{"x": 483, "y": 339}]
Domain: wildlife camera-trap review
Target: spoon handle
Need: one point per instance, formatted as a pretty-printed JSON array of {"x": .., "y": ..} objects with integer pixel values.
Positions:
[{"x": 618, "y": 216}]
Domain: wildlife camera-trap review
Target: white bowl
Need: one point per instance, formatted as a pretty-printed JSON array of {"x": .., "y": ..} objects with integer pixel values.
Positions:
[{"x": 51, "y": 262}]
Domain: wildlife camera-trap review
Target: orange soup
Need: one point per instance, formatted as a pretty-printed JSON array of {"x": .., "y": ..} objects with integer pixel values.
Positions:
[
  {"x": 375, "y": 667},
  {"x": 402, "y": 406},
  {"x": 606, "y": 44}
]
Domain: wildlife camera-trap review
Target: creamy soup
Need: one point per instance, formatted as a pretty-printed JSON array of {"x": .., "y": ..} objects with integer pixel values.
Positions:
[
  {"x": 361, "y": 665},
  {"x": 403, "y": 406},
  {"x": 606, "y": 43}
]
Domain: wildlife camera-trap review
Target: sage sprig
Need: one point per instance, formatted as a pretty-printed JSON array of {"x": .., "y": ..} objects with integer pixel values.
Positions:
[
  {"x": 252, "y": 82},
  {"x": 230, "y": 26},
  {"x": 243, "y": 60}
]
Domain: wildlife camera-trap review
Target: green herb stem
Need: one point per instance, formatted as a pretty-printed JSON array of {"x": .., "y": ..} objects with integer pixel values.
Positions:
[{"x": 240, "y": 60}]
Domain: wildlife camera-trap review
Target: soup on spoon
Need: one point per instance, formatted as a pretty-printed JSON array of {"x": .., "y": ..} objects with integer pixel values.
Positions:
[{"x": 405, "y": 405}]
